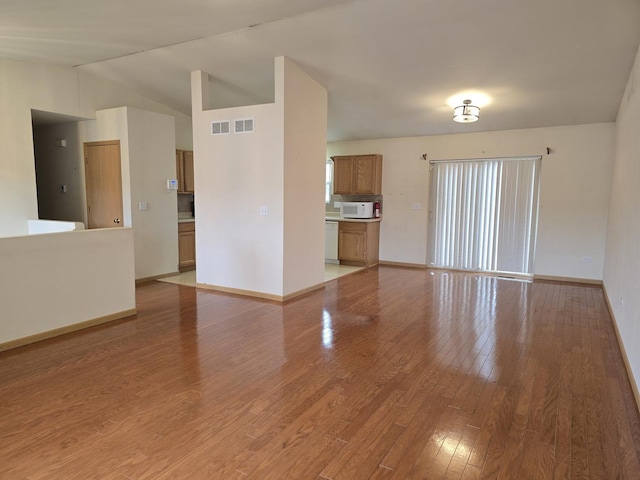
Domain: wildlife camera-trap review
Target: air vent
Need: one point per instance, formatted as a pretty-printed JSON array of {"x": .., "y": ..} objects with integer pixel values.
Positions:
[
  {"x": 220, "y": 128},
  {"x": 243, "y": 125}
]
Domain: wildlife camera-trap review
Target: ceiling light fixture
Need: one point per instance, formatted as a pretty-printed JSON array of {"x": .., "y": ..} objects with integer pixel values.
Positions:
[{"x": 466, "y": 113}]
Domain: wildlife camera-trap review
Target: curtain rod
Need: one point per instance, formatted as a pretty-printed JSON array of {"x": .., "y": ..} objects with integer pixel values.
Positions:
[{"x": 484, "y": 159}]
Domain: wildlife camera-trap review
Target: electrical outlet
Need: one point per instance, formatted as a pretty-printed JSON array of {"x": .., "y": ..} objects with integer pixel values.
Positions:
[
  {"x": 142, "y": 205},
  {"x": 416, "y": 206},
  {"x": 264, "y": 211},
  {"x": 587, "y": 259}
]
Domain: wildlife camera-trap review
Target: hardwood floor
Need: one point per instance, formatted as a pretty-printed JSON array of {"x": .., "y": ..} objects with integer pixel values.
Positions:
[{"x": 387, "y": 373}]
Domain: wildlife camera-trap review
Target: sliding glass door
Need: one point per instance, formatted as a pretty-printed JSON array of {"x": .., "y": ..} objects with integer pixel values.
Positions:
[{"x": 483, "y": 214}]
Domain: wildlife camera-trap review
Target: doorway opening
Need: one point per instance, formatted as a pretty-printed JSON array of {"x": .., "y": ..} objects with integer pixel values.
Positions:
[{"x": 58, "y": 166}]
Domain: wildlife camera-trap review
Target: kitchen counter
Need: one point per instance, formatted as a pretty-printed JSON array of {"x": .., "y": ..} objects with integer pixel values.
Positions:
[
  {"x": 186, "y": 219},
  {"x": 337, "y": 218}
]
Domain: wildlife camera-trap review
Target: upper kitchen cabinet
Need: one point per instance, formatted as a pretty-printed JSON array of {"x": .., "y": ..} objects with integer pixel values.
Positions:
[
  {"x": 357, "y": 175},
  {"x": 184, "y": 170}
]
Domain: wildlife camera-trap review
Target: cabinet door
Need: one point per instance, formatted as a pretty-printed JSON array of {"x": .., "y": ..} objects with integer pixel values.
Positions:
[
  {"x": 180, "y": 170},
  {"x": 352, "y": 242},
  {"x": 342, "y": 175},
  {"x": 189, "y": 184},
  {"x": 186, "y": 245},
  {"x": 366, "y": 175}
]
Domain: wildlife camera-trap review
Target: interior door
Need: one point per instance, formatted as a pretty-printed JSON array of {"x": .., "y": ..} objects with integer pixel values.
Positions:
[{"x": 103, "y": 183}]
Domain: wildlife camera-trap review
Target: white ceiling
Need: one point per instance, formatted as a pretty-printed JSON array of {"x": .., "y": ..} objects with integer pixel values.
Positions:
[{"x": 390, "y": 66}]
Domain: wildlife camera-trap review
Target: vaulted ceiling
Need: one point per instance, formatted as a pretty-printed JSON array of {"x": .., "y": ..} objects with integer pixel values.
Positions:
[{"x": 392, "y": 67}]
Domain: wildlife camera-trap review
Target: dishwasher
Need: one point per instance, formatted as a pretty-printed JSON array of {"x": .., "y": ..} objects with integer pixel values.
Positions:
[{"x": 331, "y": 242}]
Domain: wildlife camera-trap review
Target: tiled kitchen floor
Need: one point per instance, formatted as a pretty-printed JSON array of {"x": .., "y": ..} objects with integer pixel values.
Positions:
[
  {"x": 184, "y": 278},
  {"x": 330, "y": 272},
  {"x": 334, "y": 271}
]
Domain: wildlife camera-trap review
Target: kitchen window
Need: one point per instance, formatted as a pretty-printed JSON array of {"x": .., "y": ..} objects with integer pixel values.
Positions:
[{"x": 328, "y": 181}]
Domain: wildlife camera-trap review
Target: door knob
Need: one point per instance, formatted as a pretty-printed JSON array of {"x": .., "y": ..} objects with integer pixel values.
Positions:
[{"x": 116, "y": 220}]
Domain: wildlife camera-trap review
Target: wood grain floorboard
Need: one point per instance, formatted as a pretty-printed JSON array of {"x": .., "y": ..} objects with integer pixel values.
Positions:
[{"x": 388, "y": 373}]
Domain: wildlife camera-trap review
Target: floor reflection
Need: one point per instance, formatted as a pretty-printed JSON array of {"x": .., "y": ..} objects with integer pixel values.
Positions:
[
  {"x": 477, "y": 311},
  {"x": 327, "y": 330}
]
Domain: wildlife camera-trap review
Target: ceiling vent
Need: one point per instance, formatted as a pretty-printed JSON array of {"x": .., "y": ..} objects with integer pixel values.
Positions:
[
  {"x": 220, "y": 128},
  {"x": 243, "y": 125}
]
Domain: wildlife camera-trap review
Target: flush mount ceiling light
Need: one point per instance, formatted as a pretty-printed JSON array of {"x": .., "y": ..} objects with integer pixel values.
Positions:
[{"x": 466, "y": 113}]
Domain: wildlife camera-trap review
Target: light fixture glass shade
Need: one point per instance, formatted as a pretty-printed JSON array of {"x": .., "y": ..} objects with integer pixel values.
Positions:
[{"x": 466, "y": 113}]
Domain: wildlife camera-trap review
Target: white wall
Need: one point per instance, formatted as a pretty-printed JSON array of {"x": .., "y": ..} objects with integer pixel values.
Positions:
[
  {"x": 622, "y": 267},
  {"x": 147, "y": 156},
  {"x": 37, "y": 227},
  {"x": 112, "y": 124},
  {"x": 235, "y": 175},
  {"x": 574, "y": 190},
  {"x": 305, "y": 143},
  {"x": 65, "y": 278},
  {"x": 51, "y": 88},
  {"x": 274, "y": 167},
  {"x": 152, "y": 160}
]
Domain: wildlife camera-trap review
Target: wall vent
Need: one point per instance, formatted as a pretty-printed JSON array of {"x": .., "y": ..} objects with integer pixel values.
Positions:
[
  {"x": 220, "y": 128},
  {"x": 243, "y": 125}
]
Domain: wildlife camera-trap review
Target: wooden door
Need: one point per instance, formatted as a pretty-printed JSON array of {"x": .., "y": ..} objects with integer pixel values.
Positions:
[{"x": 103, "y": 184}]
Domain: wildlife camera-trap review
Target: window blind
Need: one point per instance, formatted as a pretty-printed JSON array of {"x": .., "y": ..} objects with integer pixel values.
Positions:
[{"x": 483, "y": 214}]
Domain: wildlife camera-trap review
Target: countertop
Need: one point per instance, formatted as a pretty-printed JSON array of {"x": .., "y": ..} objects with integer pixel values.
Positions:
[
  {"x": 186, "y": 218},
  {"x": 331, "y": 218},
  {"x": 338, "y": 218}
]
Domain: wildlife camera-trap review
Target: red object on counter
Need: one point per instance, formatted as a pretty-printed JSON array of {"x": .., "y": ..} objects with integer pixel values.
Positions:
[{"x": 376, "y": 210}]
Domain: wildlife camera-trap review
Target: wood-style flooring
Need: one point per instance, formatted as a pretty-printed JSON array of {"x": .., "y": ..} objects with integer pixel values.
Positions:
[{"x": 387, "y": 373}]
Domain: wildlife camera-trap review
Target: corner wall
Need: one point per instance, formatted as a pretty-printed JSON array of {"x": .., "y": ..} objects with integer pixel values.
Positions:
[
  {"x": 147, "y": 155},
  {"x": 622, "y": 266},
  {"x": 280, "y": 166},
  {"x": 235, "y": 175},
  {"x": 152, "y": 161},
  {"x": 305, "y": 143},
  {"x": 574, "y": 190}
]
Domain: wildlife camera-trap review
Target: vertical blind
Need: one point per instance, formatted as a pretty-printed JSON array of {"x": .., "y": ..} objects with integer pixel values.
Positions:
[{"x": 483, "y": 214}]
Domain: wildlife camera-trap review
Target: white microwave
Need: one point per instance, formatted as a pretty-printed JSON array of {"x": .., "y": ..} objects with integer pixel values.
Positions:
[{"x": 356, "y": 210}]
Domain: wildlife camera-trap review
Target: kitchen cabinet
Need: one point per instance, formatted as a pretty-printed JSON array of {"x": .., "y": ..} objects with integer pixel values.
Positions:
[
  {"x": 358, "y": 243},
  {"x": 357, "y": 175},
  {"x": 186, "y": 246},
  {"x": 184, "y": 171}
]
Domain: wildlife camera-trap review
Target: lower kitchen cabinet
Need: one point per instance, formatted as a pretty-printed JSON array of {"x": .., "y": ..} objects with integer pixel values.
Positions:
[
  {"x": 186, "y": 246},
  {"x": 358, "y": 243}
]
